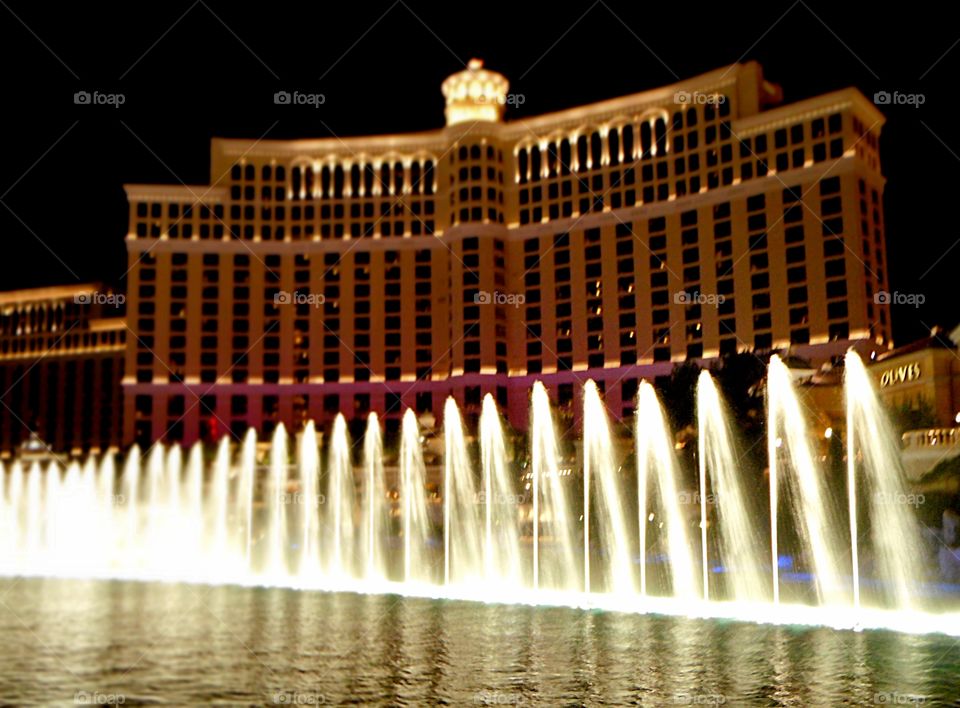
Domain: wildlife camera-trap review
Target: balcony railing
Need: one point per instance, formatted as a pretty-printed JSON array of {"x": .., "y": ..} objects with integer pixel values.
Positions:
[{"x": 917, "y": 440}]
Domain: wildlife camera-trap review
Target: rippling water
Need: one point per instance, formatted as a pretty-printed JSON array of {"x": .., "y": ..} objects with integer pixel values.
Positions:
[{"x": 97, "y": 642}]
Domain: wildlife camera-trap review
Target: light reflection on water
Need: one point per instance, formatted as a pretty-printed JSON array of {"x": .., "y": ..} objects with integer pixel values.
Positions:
[{"x": 97, "y": 641}]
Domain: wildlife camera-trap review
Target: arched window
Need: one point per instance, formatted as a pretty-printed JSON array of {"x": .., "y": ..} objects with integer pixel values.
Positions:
[
  {"x": 596, "y": 150},
  {"x": 660, "y": 133},
  {"x": 415, "y": 177},
  {"x": 626, "y": 137},
  {"x": 552, "y": 160},
  {"x": 428, "y": 177},
  {"x": 354, "y": 180},
  {"x": 385, "y": 178},
  {"x": 582, "y": 153},
  {"x": 398, "y": 178},
  {"x": 613, "y": 145},
  {"x": 535, "y": 165},
  {"x": 325, "y": 181},
  {"x": 368, "y": 178},
  {"x": 522, "y": 165},
  {"x": 295, "y": 182},
  {"x": 646, "y": 139},
  {"x": 338, "y": 182},
  {"x": 564, "y": 157},
  {"x": 308, "y": 181}
]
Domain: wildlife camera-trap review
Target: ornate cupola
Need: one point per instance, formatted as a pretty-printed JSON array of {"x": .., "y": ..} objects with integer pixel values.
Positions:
[{"x": 474, "y": 94}]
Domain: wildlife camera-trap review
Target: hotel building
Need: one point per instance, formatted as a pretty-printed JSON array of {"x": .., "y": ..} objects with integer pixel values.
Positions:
[
  {"x": 607, "y": 241},
  {"x": 61, "y": 364}
]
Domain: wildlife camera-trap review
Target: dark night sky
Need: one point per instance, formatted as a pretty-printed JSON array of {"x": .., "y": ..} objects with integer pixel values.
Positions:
[{"x": 190, "y": 71}]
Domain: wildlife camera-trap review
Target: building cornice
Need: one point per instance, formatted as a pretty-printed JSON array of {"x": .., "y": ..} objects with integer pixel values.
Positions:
[
  {"x": 543, "y": 127},
  {"x": 53, "y": 293},
  {"x": 808, "y": 109},
  {"x": 175, "y": 193},
  {"x": 430, "y": 143},
  {"x": 663, "y": 97}
]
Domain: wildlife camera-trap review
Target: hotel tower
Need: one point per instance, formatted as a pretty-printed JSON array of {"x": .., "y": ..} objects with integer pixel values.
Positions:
[{"x": 606, "y": 241}]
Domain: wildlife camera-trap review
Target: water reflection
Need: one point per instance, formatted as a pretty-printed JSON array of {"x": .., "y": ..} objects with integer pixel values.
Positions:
[{"x": 184, "y": 644}]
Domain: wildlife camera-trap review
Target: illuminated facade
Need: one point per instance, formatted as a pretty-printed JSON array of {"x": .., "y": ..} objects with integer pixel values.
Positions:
[
  {"x": 923, "y": 374},
  {"x": 61, "y": 364},
  {"x": 607, "y": 241}
]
